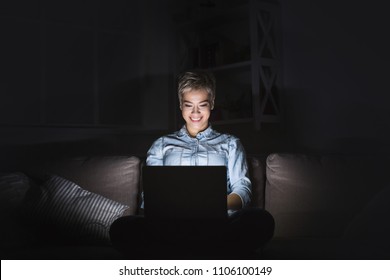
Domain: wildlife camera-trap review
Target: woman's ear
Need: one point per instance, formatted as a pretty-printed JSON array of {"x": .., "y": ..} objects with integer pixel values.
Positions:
[{"x": 212, "y": 104}]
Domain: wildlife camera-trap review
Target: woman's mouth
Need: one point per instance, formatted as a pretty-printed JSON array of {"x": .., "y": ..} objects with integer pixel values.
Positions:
[{"x": 195, "y": 119}]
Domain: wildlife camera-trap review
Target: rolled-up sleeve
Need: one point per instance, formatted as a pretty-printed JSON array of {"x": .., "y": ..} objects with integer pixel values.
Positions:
[
  {"x": 240, "y": 183},
  {"x": 154, "y": 157}
]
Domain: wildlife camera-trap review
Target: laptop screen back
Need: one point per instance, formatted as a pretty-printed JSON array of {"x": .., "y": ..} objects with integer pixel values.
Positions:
[{"x": 185, "y": 192}]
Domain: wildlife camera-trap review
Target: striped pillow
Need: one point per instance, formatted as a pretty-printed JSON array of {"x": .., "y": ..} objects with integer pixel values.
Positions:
[{"x": 75, "y": 212}]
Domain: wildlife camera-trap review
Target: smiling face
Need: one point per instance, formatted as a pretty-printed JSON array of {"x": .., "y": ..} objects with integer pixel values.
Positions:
[{"x": 196, "y": 108}]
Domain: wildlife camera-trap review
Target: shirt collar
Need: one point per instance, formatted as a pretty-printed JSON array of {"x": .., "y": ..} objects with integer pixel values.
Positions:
[{"x": 201, "y": 135}]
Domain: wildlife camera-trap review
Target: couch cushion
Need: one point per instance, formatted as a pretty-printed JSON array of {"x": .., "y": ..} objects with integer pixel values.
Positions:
[
  {"x": 318, "y": 196},
  {"x": 75, "y": 213},
  {"x": 13, "y": 189},
  {"x": 373, "y": 221},
  {"x": 114, "y": 177}
]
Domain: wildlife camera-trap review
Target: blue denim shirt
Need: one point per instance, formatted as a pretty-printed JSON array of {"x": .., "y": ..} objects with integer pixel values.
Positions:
[{"x": 208, "y": 148}]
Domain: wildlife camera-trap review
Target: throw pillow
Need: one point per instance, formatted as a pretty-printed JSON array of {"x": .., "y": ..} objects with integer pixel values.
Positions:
[{"x": 79, "y": 215}]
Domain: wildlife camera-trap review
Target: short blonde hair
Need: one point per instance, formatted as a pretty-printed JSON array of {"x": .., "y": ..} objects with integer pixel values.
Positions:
[{"x": 196, "y": 80}]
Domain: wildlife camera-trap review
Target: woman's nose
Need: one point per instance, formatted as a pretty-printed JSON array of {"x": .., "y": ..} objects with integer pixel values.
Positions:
[{"x": 195, "y": 109}]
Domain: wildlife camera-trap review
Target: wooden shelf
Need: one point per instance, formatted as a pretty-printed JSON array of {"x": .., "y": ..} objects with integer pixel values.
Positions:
[
  {"x": 219, "y": 17},
  {"x": 231, "y": 66},
  {"x": 235, "y": 121},
  {"x": 239, "y": 44}
]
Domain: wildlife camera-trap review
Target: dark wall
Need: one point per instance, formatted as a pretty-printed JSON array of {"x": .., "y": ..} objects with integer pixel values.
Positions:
[
  {"x": 84, "y": 71},
  {"x": 79, "y": 70},
  {"x": 335, "y": 62},
  {"x": 88, "y": 63}
]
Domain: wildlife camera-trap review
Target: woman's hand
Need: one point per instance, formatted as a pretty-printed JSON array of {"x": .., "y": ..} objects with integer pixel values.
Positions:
[{"x": 234, "y": 202}]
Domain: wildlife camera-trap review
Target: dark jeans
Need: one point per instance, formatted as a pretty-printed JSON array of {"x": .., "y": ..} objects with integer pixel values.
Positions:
[{"x": 241, "y": 234}]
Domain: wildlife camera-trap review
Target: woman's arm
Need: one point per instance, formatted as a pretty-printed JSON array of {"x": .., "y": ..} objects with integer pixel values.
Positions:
[
  {"x": 155, "y": 155},
  {"x": 241, "y": 186}
]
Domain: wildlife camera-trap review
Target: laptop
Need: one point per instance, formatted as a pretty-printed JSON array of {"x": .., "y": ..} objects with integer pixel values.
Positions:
[{"x": 185, "y": 192}]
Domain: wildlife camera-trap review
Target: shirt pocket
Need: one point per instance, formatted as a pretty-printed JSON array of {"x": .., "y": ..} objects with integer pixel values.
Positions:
[
  {"x": 216, "y": 158},
  {"x": 174, "y": 156}
]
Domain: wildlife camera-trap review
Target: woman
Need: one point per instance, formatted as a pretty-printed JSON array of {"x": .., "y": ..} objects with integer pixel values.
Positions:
[{"x": 197, "y": 143}]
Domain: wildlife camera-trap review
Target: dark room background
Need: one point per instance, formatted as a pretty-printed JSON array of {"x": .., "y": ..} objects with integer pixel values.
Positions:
[{"x": 104, "y": 71}]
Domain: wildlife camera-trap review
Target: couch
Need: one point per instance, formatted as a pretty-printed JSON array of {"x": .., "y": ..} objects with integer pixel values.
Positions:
[
  {"x": 325, "y": 206},
  {"x": 62, "y": 208},
  {"x": 328, "y": 206}
]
